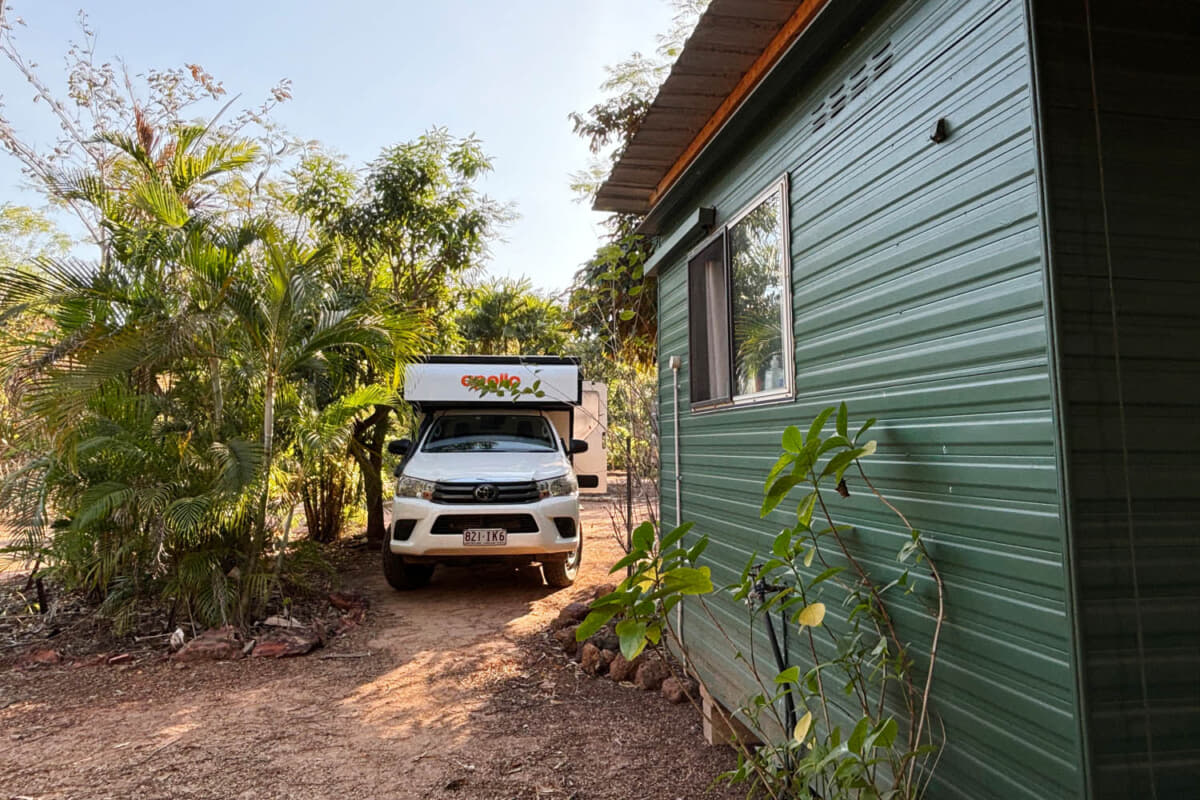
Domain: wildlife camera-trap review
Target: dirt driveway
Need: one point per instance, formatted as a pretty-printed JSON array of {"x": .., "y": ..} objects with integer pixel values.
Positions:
[{"x": 461, "y": 696}]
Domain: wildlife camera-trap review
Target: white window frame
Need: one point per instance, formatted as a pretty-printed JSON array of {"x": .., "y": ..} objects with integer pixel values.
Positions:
[{"x": 788, "y": 391}]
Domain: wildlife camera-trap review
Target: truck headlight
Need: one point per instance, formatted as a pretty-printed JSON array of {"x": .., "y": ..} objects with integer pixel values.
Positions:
[
  {"x": 414, "y": 487},
  {"x": 558, "y": 487}
]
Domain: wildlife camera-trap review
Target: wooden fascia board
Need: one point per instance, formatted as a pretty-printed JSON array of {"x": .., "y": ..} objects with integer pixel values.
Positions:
[{"x": 795, "y": 25}]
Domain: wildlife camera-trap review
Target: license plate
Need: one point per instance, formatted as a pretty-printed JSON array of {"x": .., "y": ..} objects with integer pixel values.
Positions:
[{"x": 485, "y": 536}]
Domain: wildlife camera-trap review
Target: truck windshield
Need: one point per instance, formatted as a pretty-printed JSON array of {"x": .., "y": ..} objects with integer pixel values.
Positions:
[{"x": 494, "y": 433}]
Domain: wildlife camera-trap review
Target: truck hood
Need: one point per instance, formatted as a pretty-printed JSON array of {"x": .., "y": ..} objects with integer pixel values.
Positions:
[{"x": 482, "y": 466}]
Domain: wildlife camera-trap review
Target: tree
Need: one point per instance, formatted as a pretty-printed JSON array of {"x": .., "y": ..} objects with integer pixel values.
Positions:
[
  {"x": 155, "y": 479},
  {"x": 506, "y": 317},
  {"x": 408, "y": 228},
  {"x": 613, "y": 300},
  {"x": 102, "y": 100},
  {"x": 614, "y": 303}
]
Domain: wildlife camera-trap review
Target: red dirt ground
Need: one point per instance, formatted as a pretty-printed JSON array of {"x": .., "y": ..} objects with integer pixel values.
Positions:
[{"x": 453, "y": 691}]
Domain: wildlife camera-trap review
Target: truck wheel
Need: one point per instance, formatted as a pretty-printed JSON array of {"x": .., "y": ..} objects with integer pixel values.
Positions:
[
  {"x": 404, "y": 576},
  {"x": 561, "y": 574}
]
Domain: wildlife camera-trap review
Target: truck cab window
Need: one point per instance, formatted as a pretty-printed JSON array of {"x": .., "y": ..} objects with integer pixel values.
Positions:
[{"x": 494, "y": 433}]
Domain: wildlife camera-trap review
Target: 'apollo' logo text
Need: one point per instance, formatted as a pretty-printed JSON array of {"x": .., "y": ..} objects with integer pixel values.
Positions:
[{"x": 501, "y": 381}]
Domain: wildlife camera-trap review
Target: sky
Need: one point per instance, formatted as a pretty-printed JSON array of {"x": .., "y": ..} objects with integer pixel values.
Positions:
[{"x": 369, "y": 73}]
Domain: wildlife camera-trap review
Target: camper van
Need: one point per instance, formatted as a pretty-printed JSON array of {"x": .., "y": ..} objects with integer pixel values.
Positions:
[{"x": 490, "y": 473}]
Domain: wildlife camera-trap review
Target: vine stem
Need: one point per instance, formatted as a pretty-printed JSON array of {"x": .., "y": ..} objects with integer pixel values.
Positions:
[
  {"x": 874, "y": 591},
  {"x": 941, "y": 614}
]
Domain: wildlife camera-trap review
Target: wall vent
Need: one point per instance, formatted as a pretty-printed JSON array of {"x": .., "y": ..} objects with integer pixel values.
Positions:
[{"x": 853, "y": 86}]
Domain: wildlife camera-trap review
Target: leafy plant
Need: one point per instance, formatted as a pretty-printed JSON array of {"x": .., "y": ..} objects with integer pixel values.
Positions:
[{"x": 856, "y": 721}]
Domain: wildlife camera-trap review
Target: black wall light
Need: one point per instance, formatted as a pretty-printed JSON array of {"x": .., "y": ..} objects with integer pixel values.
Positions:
[{"x": 941, "y": 131}]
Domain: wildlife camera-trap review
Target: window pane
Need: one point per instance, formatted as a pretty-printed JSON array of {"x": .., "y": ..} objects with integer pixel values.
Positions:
[
  {"x": 708, "y": 324},
  {"x": 756, "y": 261},
  {"x": 495, "y": 433}
]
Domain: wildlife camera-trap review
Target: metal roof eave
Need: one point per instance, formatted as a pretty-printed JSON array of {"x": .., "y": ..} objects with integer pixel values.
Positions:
[{"x": 832, "y": 26}]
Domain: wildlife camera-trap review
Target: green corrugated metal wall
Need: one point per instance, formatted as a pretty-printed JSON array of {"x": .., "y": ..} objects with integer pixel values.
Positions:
[
  {"x": 1148, "y": 85},
  {"x": 918, "y": 298}
]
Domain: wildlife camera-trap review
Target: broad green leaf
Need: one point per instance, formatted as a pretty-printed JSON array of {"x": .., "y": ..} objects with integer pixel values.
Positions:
[
  {"x": 777, "y": 492},
  {"x": 826, "y": 575},
  {"x": 633, "y": 637},
  {"x": 698, "y": 548},
  {"x": 814, "y": 430},
  {"x": 811, "y": 615},
  {"x": 855, "y": 742},
  {"x": 782, "y": 544},
  {"x": 804, "y": 512},
  {"x": 593, "y": 622},
  {"x": 802, "y": 726},
  {"x": 647, "y": 577},
  {"x": 626, "y": 560},
  {"x": 643, "y": 536},
  {"x": 675, "y": 535},
  {"x": 866, "y": 426},
  {"x": 832, "y": 443},
  {"x": 789, "y": 675},
  {"x": 780, "y": 465},
  {"x": 626, "y": 315},
  {"x": 837, "y": 465},
  {"x": 842, "y": 415},
  {"x": 689, "y": 580},
  {"x": 654, "y": 631},
  {"x": 793, "y": 442},
  {"x": 886, "y": 734}
]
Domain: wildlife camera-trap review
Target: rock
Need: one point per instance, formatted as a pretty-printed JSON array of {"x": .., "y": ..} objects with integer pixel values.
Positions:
[
  {"x": 347, "y": 601},
  {"x": 287, "y": 643},
  {"x": 621, "y": 669},
  {"x": 570, "y": 615},
  {"x": 603, "y": 589},
  {"x": 606, "y": 639},
  {"x": 282, "y": 622},
  {"x": 606, "y": 659},
  {"x": 566, "y": 639},
  {"x": 220, "y": 644},
  {"x": 651, "y": 674},
  {"x": 121, "y": 658},
  {"x": 590, "y": 658},
  {"x": 676, "y": 690}
]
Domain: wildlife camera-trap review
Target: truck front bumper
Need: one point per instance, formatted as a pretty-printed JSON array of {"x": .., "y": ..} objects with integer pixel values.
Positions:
[{"x": 423, "y": 529}]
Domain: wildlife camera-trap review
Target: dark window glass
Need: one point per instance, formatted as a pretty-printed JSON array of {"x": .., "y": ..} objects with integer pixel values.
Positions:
[
  {"x": 708, "y": 323},
  {"x": 495, "y": 433}
]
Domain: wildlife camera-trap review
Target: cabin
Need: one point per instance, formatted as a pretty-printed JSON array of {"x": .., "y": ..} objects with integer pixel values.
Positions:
[{"x": 979, "y": 221}]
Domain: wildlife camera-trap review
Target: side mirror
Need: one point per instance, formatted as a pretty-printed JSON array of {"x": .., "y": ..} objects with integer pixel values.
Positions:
[
  {"x": 578, "y": 446},
  {"x": 399, "y": 447},
  {"x": 588, "y": 481}
]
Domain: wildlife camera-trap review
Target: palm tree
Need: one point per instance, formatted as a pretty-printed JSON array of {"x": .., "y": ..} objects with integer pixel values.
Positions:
[{"x": 152, "y": 465}]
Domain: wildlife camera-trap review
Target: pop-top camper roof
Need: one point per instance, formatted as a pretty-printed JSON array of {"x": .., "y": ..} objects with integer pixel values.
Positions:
[{"x": 446, "y": 381}]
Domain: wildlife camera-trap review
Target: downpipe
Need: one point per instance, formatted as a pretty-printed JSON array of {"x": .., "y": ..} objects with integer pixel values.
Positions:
[{"x": 763, "y": 590}]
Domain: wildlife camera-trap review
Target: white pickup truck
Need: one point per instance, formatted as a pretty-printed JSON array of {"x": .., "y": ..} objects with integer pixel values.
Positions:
[{"x": 488, "y": 477}]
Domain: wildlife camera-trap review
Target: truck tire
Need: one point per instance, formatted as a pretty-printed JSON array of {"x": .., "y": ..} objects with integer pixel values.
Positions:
[
  {"x": 402, "y": 576},
  {"x": 561, "y": 574}
]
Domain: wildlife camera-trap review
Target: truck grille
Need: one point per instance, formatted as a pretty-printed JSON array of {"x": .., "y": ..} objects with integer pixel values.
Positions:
[
  {"x": 457, "y": 523},
  {"x": 464, "y": 493}
]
